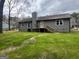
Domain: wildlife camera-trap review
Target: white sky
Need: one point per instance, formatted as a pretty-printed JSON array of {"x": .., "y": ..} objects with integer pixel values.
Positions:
[{"x": 45, "y": 7}]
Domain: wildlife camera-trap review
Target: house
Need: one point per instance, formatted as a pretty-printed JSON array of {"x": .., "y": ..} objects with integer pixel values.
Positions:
[
  {"x": 51, "y": 23},
  {"x": 13, "y": 23}
]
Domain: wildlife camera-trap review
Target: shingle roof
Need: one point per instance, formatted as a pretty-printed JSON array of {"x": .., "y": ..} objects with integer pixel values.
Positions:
[
  {"x": 50, "y": 17},
  {"x": 26, "y": 20}
]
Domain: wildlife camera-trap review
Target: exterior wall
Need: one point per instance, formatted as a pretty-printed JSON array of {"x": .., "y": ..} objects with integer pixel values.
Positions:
[
  {"x": 65, "y": 27},
  {"x": 22, "y": 27},
  {"x": 25, "y": 26},
  {"x": 42, "y": 24},
  {"x": 72, "y": 21},
  {"x": 78, "y": 22}
]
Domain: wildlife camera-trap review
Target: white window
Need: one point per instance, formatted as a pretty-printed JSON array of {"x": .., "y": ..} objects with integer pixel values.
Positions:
[{"x": 59, "y": 22}]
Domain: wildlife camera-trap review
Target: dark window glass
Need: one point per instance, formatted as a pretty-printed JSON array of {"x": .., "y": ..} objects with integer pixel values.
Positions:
[
  {"x": 61, "y": 22},
  {"x": 57, "y": 22}
]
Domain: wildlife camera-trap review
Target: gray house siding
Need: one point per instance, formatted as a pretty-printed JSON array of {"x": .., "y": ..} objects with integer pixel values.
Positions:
[
  {"x": 72, "y": 21},
  {"x": 65, "y": 27},
  {"x": 56, "y": 23},
  {"x": 25, "y": 26}
]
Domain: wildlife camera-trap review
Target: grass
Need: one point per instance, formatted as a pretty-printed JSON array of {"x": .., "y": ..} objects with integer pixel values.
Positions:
[
  {"x": 47, "y": 46},
  {"x": 13, "y": 38}
]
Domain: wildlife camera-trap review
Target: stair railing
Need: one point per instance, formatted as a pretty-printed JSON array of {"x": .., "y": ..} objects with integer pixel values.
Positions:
[{"x": 49, "y": 28}]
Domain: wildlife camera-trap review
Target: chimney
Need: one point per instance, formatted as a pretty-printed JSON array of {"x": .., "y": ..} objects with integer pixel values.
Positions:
[{"x": 34, "y": 18}]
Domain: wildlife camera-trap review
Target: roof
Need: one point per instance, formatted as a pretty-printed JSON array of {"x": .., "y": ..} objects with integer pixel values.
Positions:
[
  {"x": 50, "y": 17},
  {"x": 26, "y": 20}
]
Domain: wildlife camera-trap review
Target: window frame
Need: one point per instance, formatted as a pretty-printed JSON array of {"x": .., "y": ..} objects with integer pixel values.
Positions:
[{"x": 59, "y": 22}]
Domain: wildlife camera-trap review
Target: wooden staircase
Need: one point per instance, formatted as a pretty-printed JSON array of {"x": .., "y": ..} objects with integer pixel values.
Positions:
[{"x": 49, "y": 29}]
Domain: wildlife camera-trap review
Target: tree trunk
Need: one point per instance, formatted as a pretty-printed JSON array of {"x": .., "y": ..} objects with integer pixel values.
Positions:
[
  {"x": 1, "y": 13},
  {"x": 0, "y": 24},
  {"x": 9, "y": 20}
]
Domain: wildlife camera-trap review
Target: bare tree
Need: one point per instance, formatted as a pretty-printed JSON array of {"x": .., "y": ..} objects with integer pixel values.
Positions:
[
  {"x": 1, "y": 13},
  {"x": 18, "y": 12},
  {"x": 21, "y": 9},
  {"x": 13, "y": 4},
  {"x": 10, "y": 4}
]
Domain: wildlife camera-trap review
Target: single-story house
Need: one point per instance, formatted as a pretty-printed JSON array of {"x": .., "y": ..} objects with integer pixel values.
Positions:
[{"x": 51, "y": 23}]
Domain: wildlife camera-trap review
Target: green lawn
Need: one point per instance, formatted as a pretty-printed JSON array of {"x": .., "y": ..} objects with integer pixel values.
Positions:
[
  {"x": 14, "y": 38},
  {"x": 45, "y": 46}
]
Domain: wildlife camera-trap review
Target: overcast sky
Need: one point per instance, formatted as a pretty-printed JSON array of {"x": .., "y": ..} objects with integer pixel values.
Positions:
[{"x": 45, "y": 7}]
